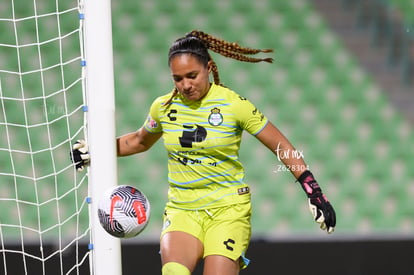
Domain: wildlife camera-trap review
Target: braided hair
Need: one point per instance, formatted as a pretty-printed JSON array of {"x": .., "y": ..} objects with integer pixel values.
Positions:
[{"x": 198, "y": 43}]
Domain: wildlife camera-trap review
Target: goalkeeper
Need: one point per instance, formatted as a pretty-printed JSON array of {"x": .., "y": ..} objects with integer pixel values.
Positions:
[{"x": 208, "y": 212}]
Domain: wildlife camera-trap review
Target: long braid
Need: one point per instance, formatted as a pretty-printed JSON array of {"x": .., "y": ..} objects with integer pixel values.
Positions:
[
  {"x": 214, "y": 71},
  {"x": 230, "y": 49},
  {"x": 198, "y": 43},
  {"x": 238, "y": 56},
  {"x": 174, "y": 94}
]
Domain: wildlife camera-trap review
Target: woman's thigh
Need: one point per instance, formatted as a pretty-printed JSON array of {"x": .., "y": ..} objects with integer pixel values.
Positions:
[
  {"x": 216, "y": 264},
  {"x": 181, "y": 247}
]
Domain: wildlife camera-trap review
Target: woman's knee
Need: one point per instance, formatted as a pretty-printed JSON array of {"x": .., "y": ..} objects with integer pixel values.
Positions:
[{"x": 174, "y": 268}]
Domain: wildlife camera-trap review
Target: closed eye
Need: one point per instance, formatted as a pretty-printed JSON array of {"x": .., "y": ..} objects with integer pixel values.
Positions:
[
  {"x": 190, "y": 75},
  {"x": 177, "y": 78}
]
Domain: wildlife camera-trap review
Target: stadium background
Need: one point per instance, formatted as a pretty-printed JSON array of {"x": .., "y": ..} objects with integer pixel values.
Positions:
[{"x": 340, "y": 89}]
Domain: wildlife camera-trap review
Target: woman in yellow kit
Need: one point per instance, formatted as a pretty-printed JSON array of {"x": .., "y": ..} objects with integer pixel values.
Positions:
[{"x": 208, "y": 211}]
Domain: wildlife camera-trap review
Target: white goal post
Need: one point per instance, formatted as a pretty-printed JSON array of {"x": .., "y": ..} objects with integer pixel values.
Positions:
[
  {"x": 56, "y": 86},
  {"x": 101, "y": 127}
]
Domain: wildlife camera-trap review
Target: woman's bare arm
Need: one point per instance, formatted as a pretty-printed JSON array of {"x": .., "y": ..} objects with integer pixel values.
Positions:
[
  {"x": 135, "y": 142},
  {"x": 273, "y": 139}
]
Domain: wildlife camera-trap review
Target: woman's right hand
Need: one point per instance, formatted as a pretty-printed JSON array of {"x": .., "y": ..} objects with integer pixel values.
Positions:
[{"x": 80, "y": 155}]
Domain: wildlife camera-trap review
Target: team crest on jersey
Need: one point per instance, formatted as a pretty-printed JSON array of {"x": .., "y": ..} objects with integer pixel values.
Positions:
[{"x": 215, "y": 118}]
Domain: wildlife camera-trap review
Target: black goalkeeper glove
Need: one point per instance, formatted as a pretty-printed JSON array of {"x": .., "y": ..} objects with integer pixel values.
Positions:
[
  {"x": 319, "y": 205},
  {"x": 80, "y": 155}
]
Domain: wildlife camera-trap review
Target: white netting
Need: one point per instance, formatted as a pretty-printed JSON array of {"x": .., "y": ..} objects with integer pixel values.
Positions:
[{"x": 44, "y": 226}]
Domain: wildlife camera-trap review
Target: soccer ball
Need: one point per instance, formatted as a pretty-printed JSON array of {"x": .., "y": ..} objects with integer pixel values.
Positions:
[{"x": 124, "y": 211}]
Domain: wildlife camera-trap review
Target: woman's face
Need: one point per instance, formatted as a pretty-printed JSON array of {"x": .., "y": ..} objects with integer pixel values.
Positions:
[{"x": 191, "y": 77}]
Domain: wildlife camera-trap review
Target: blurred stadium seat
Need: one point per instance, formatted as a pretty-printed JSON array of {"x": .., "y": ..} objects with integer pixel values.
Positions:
[
  {"x": 315, "y": 90},
  {"x": 358, "y": 145}
]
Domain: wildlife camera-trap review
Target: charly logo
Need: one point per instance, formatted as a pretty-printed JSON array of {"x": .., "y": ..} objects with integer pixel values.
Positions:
[{"x": 215, "y": 118}]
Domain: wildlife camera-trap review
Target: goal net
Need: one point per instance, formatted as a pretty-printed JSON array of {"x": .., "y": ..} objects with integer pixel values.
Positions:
[{"x": 44, "y": 201}]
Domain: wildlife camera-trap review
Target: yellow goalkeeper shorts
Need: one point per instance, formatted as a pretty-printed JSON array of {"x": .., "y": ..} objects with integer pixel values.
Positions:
[{"x": 224, "y": 231}]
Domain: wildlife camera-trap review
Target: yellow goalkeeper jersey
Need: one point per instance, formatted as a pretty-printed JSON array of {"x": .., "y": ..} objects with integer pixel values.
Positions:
[{"x": 202, "y": 140}]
